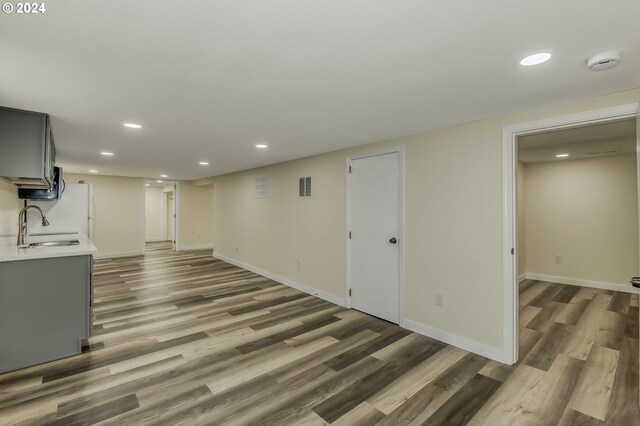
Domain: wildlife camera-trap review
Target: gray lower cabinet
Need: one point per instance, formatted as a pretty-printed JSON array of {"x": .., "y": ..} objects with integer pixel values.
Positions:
[{"x": 45, "y": 309}]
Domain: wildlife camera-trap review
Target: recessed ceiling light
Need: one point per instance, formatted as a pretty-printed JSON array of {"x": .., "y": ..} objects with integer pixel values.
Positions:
[
  {"x": 147, "y": 184},
  {"x": 93, "y": 171},
  {"x": 535, "y": 59},
  {"x": 164, "y": 176},
  {"x": 261, "y": 146},
  {"x": 561, "y": 155},
  {"x": 204, "y": 163},
  {"x": 107, "y": 153},
  {"x": 132, "y": 125},
  {"x": 159, "y": 181}
]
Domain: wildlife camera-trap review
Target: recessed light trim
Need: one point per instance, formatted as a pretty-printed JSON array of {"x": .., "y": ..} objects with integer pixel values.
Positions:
[
  {"x": 107, "y": 154},
  {"x": 204, "y": 163},
  {"x": 132, "y": 125},
  {"x": 535, "y": 59},
  {"x": 562, "y": 155},
  {"x": 93, "y": 171},
  {"x": 164, "y": 176},
  {"x": 262, "y": 146}
]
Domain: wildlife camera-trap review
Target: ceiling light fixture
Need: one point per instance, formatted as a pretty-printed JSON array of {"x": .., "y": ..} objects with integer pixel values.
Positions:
[
  {"x": 204, "y": 163},
  {"x": 132, "y": 125},
  {"x": 159, "y": 181},
  {"x": 561, "y": 155},
  {"x": 535, "y": 59},
  {"x": 262, "y": 146},
  {"x": 147, "y": 184},
  {"x": 107, "y": 154},
  {"x": 164, "y": 176},
  {"x": 93, "y": 171}
]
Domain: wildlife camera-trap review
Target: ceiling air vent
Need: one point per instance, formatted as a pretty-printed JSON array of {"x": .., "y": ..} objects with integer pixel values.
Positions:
[
  {"x": 262, "y": 187},
  {"x": 304, "y": 187},
  {"x": 604, "y": 60}
]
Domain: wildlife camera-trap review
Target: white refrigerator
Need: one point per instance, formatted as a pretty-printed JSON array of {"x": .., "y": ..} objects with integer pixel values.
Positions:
[{"x": 73, "y": 212}]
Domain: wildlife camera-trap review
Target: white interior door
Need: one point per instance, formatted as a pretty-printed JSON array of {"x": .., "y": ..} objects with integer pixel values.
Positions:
[{"x": 375, "y": 227}]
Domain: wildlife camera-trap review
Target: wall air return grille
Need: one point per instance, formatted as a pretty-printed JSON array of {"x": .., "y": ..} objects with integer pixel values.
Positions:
[
  {"x": 304, "y": 187},
  {"x": 262, "y": 187}
]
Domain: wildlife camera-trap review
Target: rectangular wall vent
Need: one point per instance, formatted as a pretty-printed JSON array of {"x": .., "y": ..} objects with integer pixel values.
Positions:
[
  {"x": 304, "y": 187},
  {"x": 262, "y": 187}
]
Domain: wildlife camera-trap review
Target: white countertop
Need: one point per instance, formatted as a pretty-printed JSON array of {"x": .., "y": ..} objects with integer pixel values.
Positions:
[{"x": 9, "y": 251}]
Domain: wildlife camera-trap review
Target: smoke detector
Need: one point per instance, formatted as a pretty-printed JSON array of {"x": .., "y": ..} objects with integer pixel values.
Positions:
[{"x": 604, "y": 60}]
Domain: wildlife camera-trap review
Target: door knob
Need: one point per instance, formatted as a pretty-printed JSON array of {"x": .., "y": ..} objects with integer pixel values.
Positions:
[{"x": 393, "y": 240}]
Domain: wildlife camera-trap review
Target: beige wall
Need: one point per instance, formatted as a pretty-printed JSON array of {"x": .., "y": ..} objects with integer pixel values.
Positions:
[
  {"x": 453, "y": 228},
  {"x": 119, "y": 213},
  {"x": 153, "y": 213},
  {"x": 10, "y": 205},
  {"x": 587, "y": 212},
  {"x": 521, "y": 217},
  {"x": 195, "y": 216}
]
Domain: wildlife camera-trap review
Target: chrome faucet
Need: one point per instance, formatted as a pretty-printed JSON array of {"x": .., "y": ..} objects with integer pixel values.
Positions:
[{"x": 22, "y": 223}]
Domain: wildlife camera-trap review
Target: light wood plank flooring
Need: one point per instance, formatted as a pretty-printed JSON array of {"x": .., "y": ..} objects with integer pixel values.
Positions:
[{"x": 184, "y": 338}]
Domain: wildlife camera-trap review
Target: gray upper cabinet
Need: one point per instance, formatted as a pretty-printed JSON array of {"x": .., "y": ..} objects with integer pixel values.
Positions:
[{"x": 27, "y": 151}]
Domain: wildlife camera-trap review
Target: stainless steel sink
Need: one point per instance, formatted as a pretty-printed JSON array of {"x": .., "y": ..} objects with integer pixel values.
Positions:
[{"x": 63, "y": 243}]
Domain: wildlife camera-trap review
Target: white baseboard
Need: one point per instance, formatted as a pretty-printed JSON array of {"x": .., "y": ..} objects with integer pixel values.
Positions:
[
  {"x": 161, "y": 240},
  {"x": 196, "y": 247},
  {"x": 522, "y": 277},
  {"x": 309, "y": 290},
  {"x": 455, "y": 340},
  {"x": 603, "y": 285},
  {"x": 116, "y": 255}
]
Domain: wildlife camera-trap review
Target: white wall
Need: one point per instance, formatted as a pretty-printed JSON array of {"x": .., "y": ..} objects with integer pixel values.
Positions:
[
  {"x": 196, "y": 216},
  {"x": 119, "y": 213},
  {"x": 521, "y": 217},
  {"x": 10, "y": 206},
  {"x": 453, "y": 227},
  {"x": 587, "y": 212},
  {"x": 153, "y": 213}
]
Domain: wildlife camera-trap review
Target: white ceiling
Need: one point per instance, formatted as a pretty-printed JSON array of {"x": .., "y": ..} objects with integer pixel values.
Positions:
[
  {"x": 208, "y": 80},
  {"x": 598, "y": 140}
]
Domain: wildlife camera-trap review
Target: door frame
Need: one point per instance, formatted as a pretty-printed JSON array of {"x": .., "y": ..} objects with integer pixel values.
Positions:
[
  {"x": 401, "y": 247},
  {"x": 510, "y": 135}
]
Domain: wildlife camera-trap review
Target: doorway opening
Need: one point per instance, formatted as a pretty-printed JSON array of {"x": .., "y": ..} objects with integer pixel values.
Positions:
[
  {"x": 570, "y": 221},
  {"x": 160, "y": 216},
  {"x": 375, "y": 238}
]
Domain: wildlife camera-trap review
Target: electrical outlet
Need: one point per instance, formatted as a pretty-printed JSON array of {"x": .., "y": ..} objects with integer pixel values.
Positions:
[
  {"x": 298, "y": 265},
  {"x": 236, "y": 249},
  {"x": 557, "y": 259},
  {"x": 439, "y": 299}
]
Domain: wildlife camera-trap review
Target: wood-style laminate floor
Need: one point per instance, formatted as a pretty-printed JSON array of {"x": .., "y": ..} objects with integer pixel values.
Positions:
[{"x": 184, "y": 338}]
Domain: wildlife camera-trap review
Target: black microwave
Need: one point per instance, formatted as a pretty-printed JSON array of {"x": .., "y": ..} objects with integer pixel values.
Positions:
[{"x": 45, "y": 194}]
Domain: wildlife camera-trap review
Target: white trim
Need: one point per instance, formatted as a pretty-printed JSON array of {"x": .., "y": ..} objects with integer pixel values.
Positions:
[
  {"x": 452, "y": 339},
  {"x": 176, "y": 211},
  {"x": 603, "y": 285},
  {"x": 309, "y": 290},
  {"x": 143, "y": 219},
  {"x": 118, "y": 254},
  {"x": 522, "y": 277},
  {"x": 197, "y": 247},
  {"x": 164, "y": 216},
  {"x": 157, "y": 240},
  {"x": 401, "y": 218},
  {"x": 509, "y": 164}
]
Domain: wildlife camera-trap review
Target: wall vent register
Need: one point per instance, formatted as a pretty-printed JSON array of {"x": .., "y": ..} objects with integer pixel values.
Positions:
[
  {"x": 262, "y": 187},
  {"x": 304, "y": 187}
]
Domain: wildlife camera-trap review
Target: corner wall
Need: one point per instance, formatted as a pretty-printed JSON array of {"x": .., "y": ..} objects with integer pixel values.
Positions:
[
  {"x": 119, "y": 213},
  {"x": 585, "y": 211},
  {"x": 10, "y": 206},
  {"x": 196, "y": 216},
  {"x": 153, "y": 213}
]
